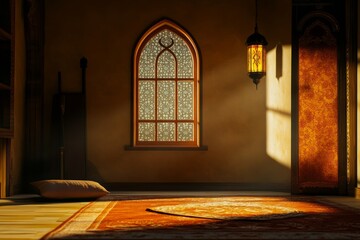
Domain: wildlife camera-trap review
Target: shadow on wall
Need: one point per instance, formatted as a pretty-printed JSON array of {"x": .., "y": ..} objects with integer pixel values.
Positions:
[{"x": 279, "y": 61}]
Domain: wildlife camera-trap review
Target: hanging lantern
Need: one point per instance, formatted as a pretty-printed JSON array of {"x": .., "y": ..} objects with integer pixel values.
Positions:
[{"x": 256, "y": 54}]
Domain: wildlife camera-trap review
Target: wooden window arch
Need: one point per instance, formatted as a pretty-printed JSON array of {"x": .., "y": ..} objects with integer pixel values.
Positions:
[{"x": 166, "y": 88}]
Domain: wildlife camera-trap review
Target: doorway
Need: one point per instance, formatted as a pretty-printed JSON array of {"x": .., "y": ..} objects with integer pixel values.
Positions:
[{"x": 319, "y": 150}]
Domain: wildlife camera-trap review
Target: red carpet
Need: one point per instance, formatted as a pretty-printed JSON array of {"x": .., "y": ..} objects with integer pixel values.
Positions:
[{"x": 118, "y": 217}]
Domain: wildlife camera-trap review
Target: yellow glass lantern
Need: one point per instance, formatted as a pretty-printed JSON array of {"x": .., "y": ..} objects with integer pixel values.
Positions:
[{"x": 256, "y": 54}]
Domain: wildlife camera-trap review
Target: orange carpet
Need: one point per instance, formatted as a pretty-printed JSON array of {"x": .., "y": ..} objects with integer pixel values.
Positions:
[{"x": 142, "y": 217}]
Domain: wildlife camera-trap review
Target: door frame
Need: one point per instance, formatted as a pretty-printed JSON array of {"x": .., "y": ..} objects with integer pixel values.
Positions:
[{"x": 303, "y": 13}]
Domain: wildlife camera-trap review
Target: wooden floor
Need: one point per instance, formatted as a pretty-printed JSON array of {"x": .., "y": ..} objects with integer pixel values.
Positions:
[
  {"x": 26, "y": 217},
  {"x": 29, "y": 217}
]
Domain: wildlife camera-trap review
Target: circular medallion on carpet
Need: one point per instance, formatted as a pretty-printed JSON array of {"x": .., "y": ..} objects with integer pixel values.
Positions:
[{"x": 224, "y": 210}]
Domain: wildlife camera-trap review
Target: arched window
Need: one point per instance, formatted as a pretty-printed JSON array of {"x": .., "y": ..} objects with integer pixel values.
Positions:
[{"x": 166, "y": 88}]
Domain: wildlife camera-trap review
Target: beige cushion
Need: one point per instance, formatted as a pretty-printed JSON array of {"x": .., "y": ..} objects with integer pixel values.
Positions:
[{"x": 64, "y": 189}]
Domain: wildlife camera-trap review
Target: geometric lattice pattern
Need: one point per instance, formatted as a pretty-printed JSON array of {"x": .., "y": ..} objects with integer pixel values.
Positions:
[
  {"x": 146, "y": 100},
  {"x": 166, "y": 131},
  {"x": 166, "y": 100},
  {"x": 175, "y": 46},
  {"x": 185, "y": 131},
  {"x": 146, "y": 131},
  {"x": 165, "y": 92},
  {"x": 185, "y": 103}
]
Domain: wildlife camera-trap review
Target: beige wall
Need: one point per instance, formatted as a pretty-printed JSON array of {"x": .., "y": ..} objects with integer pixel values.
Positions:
[
  {"x": 235, "y": 121},
  {"x": 19, "y": 94},
  {"x": 358, "y": 101}
]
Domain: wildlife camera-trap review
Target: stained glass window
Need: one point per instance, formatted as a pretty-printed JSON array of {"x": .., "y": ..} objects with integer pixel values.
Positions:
[{"x": 166, "y": 88}]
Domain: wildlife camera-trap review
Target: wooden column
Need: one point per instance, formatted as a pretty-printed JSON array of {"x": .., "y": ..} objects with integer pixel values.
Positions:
[{"x": 34, "y": 99}]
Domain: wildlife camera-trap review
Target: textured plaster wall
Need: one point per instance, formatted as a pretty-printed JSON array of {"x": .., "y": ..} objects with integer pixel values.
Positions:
[
  {"x": 234, "y": 113},
  {"x": 358, "y": 101}
]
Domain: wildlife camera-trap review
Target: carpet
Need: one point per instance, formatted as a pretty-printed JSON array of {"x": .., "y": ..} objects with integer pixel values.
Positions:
[
  {"x": 230, "y": 210},
  {"x": 139, "y": 217}
]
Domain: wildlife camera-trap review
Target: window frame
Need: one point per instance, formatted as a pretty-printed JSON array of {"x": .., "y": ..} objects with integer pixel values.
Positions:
[{"x": 155, "y": 29}]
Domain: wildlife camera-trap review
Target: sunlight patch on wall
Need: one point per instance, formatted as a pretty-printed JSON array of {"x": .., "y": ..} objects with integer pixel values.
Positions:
[
  {"x": 278, "y": 141},
  {"x": 278, "y": 104}
]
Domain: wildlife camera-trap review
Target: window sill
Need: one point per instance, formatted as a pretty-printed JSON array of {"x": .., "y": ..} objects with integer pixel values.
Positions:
[{"x": 162, "y": 148}]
